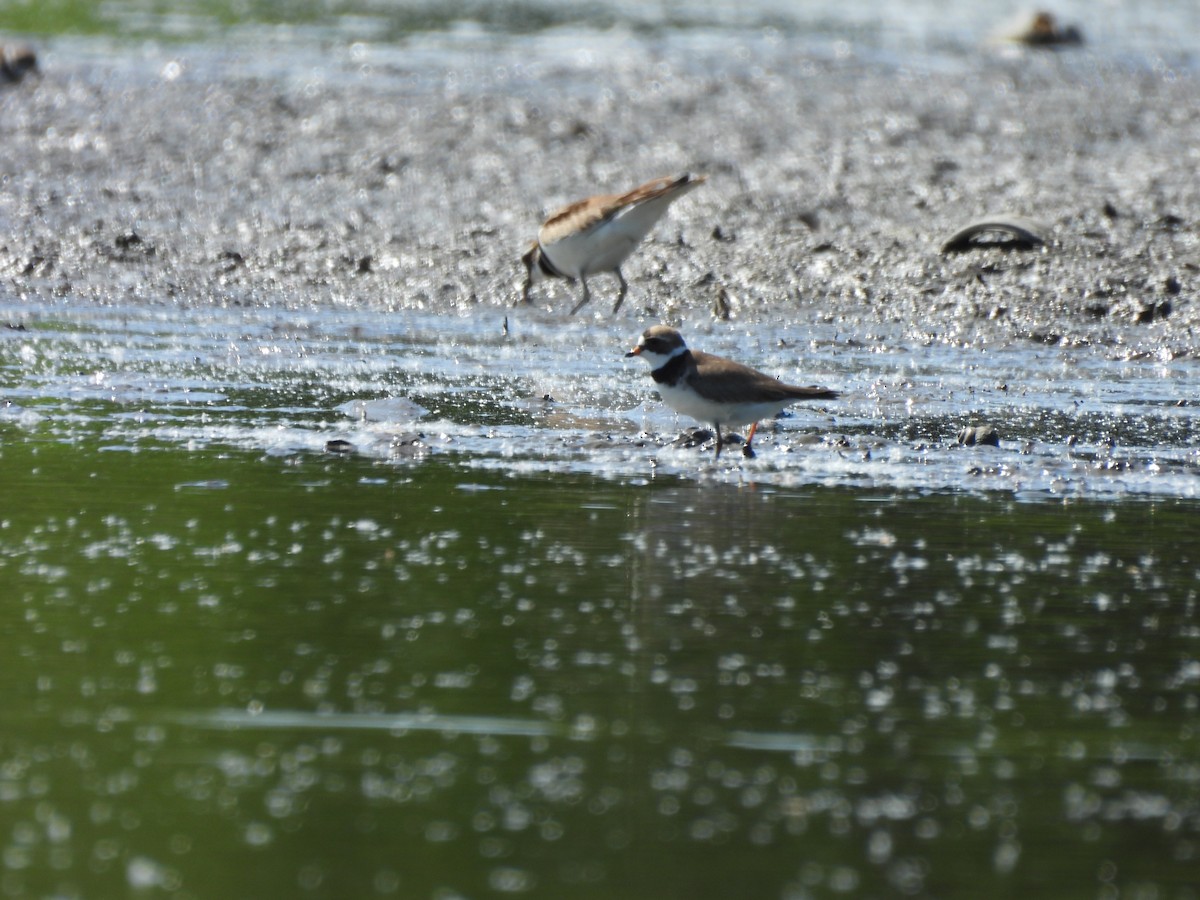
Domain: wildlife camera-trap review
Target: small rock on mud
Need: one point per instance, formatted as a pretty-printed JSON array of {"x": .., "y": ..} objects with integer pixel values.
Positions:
[{"x": 976, "y": 435}]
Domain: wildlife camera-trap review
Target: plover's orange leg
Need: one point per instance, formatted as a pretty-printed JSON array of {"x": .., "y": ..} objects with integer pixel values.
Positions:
[{"x": 747, "y": 448}]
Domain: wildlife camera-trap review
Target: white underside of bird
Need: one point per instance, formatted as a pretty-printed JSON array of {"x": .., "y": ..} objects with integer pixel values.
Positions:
[
  {"x": 685, "y": 401},
  {"x": 606, "y": 245}
]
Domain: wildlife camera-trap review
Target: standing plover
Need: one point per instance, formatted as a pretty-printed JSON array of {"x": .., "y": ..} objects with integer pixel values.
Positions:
[{"x": 715, "y": 390}]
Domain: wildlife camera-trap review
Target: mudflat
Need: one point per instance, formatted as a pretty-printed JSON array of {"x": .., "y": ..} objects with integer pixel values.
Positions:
[{"x": 408, "y": 178}]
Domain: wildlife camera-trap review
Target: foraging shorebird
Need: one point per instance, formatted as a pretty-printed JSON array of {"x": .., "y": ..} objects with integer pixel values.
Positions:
[
  {"x": 597, "y": 234},
  {"x": 715, "y": 390}
]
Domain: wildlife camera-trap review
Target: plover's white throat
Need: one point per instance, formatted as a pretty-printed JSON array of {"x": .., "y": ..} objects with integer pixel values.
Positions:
[
  {"x": 598, "y": 234},
  {"x": 715, "y": 390}
]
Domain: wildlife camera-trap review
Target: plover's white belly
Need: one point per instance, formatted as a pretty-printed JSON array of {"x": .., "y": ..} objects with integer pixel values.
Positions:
[
  {"x": 598, "y": 250},
  {"x": 687, "y": 402}
]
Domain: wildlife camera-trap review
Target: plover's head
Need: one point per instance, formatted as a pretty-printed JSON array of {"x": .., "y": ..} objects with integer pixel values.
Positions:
[{"x": 658, "y": 345}]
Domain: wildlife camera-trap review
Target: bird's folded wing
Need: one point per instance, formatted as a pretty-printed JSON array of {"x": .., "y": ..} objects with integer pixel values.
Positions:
[
  {"x": 592, "y": 211},
  {"x": 578, "y": 217},
  {"x": 726, "y": 381}
]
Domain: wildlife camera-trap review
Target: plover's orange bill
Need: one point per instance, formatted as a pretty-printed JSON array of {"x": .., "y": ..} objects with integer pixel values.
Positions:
[
  {"x": 715, "y": 390},
  {"x": 597, "y": 234}
]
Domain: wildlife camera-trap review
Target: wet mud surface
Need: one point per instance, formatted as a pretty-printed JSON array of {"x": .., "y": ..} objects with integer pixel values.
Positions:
[{"x": 361, "y": 196}]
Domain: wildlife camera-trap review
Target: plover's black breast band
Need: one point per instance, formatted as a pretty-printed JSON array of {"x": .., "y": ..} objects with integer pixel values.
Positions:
[{"x": 673, "y": 370}]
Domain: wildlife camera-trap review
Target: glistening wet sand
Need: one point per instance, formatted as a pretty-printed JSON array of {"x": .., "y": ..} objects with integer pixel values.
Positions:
[
  {"x": 393, "y": 178},
  {"x": 354, "y": 220}
]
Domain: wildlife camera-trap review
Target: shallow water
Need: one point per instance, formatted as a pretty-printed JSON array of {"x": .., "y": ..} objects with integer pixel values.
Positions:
[
  {"x": 509, "y": 390},
  {"x": 234, "y": 674},
  {"x": 512, "y": 646}
]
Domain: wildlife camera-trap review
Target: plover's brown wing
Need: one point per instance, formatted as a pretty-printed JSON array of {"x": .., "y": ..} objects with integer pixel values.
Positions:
[
  {"x": 592, "y": 211},
  {"x": 578, "y": 217},
  {"x": 725, "y": 381},
  {"x": 658, "y": 187}
]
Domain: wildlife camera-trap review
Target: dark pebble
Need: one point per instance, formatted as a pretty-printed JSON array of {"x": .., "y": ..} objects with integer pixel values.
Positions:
[
  {"x": 1153, "y": 312},
  {"x": 16, "y": 63},
  {"x": 973, "y": 435},
  {"x": 698, "y": 437},
  {"x": 409, "y": 445}
]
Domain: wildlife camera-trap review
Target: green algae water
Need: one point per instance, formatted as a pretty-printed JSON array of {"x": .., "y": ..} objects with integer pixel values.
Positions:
[{"x": 243, "y": 675}]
